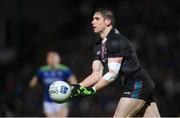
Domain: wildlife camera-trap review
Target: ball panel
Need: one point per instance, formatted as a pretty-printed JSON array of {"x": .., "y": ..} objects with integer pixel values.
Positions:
[{"x": 59, "y": 91}]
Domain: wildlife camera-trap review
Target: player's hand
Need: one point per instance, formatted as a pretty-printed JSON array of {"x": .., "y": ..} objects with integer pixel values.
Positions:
[
  {"x": 75, "y": 90},
  {"x": 79, "y": 91},
  {"x": 86, "y": 91}
]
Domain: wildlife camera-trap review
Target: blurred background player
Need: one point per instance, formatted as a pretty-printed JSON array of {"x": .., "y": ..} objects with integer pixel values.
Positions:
[{"x": 49, "y": 73}]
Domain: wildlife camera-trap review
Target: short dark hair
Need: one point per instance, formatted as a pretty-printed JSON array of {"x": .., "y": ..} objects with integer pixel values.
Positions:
[{"x": 107, "y": 14}]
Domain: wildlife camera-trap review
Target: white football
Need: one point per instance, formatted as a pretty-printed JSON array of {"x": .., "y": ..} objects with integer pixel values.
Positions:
[{"x": 59, "y": 91}]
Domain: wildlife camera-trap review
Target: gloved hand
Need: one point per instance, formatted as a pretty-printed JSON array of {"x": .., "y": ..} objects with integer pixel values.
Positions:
[
  {"x": 75, "y": 90},
  {"x": 87, "y": 91},
  {"x": 79, "y": 91}
]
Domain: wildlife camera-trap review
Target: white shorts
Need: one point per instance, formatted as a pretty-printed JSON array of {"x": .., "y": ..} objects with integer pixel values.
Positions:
[{"x": 52, "y": 107}]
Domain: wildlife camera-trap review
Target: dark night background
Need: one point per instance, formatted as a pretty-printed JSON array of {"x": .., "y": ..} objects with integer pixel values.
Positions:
[{"x": 30, "y": 28}]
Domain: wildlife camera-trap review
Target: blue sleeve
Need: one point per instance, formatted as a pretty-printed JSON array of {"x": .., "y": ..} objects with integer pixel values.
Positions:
[
  {"x": 38, "y": 73},
  {"x": 68, "y": 73}
]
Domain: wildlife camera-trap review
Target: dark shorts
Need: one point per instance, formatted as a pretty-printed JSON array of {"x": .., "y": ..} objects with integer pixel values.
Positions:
[{"x": 140, "y": 86}]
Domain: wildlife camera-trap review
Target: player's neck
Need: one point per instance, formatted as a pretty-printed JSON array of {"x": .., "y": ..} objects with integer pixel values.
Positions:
[
  {"x": 105, "y": 32},
  {"x": 53, "y": 66}
]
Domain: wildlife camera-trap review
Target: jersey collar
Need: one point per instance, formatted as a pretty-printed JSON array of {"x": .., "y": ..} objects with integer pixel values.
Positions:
[{"x": 111, "y": 33}]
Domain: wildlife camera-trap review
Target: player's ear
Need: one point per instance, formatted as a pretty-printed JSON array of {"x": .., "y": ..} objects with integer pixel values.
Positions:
[{"x": 108, "y": 22}]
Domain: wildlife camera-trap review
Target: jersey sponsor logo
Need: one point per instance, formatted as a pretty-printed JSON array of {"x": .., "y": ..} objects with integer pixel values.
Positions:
[
  {"x": 53, "y": 73},
  {"x": 105, "y": 50},
  {"x": 59, "y": 73},
  {"x": 46, "y": 74}
]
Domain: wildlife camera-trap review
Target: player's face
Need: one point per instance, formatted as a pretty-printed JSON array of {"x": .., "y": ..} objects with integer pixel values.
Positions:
[
  {"x": 98, "y": 23},
  {"x": 53, "y": 59}
]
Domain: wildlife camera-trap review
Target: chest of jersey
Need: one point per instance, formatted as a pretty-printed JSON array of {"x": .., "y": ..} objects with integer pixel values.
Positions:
[
  {"x": 101, "y": 52},
  {"x": 52, "y": 75}
]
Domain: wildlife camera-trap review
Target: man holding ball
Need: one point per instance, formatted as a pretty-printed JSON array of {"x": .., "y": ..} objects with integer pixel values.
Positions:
[{"x": 115, "y": 52}]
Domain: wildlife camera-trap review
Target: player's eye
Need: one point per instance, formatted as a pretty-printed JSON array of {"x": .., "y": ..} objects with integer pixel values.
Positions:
[{"x": 95, "y": 18}]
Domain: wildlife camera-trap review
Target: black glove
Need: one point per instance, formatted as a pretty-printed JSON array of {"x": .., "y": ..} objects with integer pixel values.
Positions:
[
  {"x": 79, "y": 91},
  {"x": 75, "y": 90},
  {"x": 87, "y": 91}
]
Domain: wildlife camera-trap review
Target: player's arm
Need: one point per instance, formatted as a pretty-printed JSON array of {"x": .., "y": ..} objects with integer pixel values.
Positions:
[
  {"x": 114, "y": 65},
  {"x": 33, "y": 82},
  {"x": 97, "y": 71},
  {"x": 72, "y": 79},
  {"x": 116, "y": 49}
]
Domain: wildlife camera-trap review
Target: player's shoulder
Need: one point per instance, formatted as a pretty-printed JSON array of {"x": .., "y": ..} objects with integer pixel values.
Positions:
[
  {"x": 116, "y": 35},
  {"x": 63, "y": 67},
  {"x": 44, "y": 68}
]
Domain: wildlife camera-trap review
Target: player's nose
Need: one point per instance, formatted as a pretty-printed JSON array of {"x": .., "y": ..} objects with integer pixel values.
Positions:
[{"x": 92, "y": 22}]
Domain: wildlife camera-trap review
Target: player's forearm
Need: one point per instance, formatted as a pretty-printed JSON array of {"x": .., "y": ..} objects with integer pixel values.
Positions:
[
  {"x": 100, "y": 84},
  {"x": 72, "y": 79},
  {"x": 114, "y": 65},
  {"x": 33, "y": 82},
  {"x": 105, "y": 80},
  {"x": 97, "y": 68},
  {"x": 91, "y": 79}
]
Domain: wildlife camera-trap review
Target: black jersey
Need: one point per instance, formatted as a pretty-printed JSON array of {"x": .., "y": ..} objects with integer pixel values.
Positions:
[
  {"x": 138, "y": 83},
  {"x": 118, "y": 45}
]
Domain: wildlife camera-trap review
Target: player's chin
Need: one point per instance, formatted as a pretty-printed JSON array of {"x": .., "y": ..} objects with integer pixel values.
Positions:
[{"x": 95, "y": 31}]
